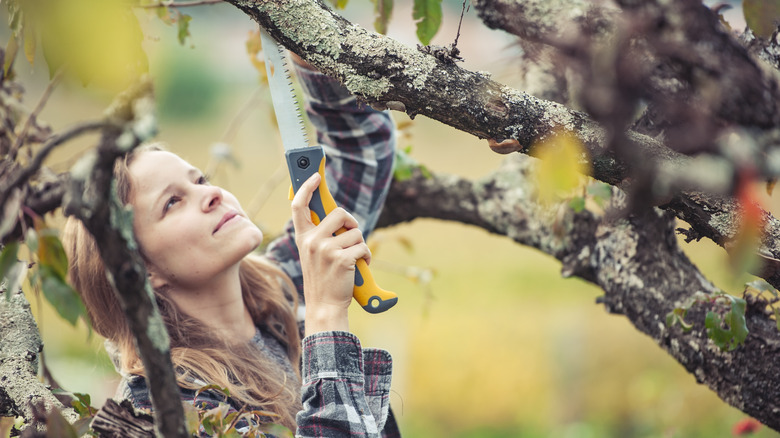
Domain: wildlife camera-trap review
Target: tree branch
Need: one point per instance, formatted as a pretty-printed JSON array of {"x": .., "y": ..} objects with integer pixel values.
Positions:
[
  {"x": 33, "y": 115},
  {"x": 636, "y": 261},
  {"x": 20, "y": 389},
  {"x": 385, "y": 72},
  {"x": 92, "y": 199}
]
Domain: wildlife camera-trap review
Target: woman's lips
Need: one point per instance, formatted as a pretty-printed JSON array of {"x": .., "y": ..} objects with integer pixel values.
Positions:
[{"x": 229, "y": 215}]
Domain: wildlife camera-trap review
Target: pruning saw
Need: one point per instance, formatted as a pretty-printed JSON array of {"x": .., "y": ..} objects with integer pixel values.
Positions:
[{"x": 304, "y": 160}]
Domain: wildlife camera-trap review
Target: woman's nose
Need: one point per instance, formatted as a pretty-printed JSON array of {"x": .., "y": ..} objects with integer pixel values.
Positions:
[{"x": 212, "y": 198}]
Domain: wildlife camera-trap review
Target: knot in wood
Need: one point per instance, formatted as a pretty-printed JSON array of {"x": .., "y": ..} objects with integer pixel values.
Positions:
[{"x": 446, "y": 54}]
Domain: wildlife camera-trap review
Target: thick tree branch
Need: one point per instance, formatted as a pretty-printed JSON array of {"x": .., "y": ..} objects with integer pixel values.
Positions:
[
  {"x": 636, "y": 262},
  {"x": 92, "y": 199},
  {"x": 20, "y": 389},
  {"x": 381, "y": 70}
]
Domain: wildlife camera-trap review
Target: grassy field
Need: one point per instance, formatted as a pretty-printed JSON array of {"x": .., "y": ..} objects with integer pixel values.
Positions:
[{"x": 496, "y": 344}]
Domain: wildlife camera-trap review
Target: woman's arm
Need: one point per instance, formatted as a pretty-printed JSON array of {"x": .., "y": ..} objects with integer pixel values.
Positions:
[
  {"x": 334, "y": 394},
  {"x": 359, "y": 143},
  {"x": 345, "y": 389}
]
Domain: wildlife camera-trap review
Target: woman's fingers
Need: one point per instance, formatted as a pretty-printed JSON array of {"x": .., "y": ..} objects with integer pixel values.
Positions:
[{"x": 301, "y": 215}]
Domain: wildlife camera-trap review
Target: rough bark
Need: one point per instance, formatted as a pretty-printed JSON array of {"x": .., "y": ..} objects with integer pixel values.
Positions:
[
  {"x": 383, "y": 71},
  {"x": 20, "y": 389},
  {"x": 91, "y": 198},
  {"x": 635, "y": 260}
]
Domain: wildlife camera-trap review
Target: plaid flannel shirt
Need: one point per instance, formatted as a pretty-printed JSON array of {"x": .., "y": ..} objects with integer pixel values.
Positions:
[{"x": 345, "y": 388}]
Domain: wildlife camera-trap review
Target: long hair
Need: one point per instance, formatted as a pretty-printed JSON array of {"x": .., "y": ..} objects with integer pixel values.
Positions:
[{"x": 253, "y": 380}]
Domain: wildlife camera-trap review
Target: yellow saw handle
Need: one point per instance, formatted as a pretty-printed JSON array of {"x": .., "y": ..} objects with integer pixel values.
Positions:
[{"x": 301, "y": 163}]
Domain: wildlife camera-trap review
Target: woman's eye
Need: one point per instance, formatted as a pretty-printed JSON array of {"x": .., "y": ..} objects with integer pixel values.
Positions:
[
  {"x": 171, "y": 201},
  {"x": 203, "y": 179}
]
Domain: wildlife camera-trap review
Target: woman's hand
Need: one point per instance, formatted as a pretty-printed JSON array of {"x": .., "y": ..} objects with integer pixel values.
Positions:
[{"x": 327, "y": 261}]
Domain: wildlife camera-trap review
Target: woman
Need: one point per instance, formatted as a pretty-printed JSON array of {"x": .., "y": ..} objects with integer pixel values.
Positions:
[{"x": 230, "y": 314}]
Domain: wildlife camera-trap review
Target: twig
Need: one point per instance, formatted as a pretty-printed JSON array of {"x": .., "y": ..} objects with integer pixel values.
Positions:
[
  {"x": 34, "y": 114},
  {"x": 171, "y": 4},
  {"x": 457, "y": 35},
  {"x": 53, "y": 142},
  {"x": 93, "y": 201}
]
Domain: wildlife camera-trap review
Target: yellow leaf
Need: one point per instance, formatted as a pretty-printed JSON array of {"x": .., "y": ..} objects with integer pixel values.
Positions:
[
  {"x": 29, "y": 43},
  {"x": 99, "y": 41},
  {"x": 10, "y": 53},
  {"x": 253, "y": 48},
  {"x": 563, "y": 163}
]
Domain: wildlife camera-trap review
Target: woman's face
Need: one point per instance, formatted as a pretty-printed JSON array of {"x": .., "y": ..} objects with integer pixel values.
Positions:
[{"x": 189, "y": 231}]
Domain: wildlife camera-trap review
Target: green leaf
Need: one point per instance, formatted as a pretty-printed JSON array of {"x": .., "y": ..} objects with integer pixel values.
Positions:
[
  {"x": 213, "y": 387},
  {"x": 51, "y": 253},
  {"x": 191, "y": 419},
  {"x": 8, "y": 258},
  {"x": 427, "y": 14},
  {"x": 61, "y": 296},
  {"x": 164, "y": 14},
  {"x": 184, "y": 28},
  {"x": 208, "y": 425},
  {"x": 761, "y": 285},
  {"x": 736, "y": 332},
  {"x": 761, "y": 16},
  {"x": 777, "y": 317},
  {"x": 404, "y": 165},
  {"x": 671, "y": 318},
  {"x": 737, "y": 321},
  {"x": 82, "y": 403},
  {"x": 719, "y": 336},
  {"x": 601, "y": 192},
  {"x": 276, "y": 430},
  {"x": 577, "y": 204},
  {"x": 383, "y": 10}
]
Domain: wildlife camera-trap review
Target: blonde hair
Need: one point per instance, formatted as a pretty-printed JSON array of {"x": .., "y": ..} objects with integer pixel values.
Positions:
[{"x": 253, "y": 380}]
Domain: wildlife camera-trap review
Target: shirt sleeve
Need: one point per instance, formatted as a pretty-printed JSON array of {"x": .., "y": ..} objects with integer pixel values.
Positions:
[
  {"x": 359, "y": 148},
  {"x": 345, "y": 389}
]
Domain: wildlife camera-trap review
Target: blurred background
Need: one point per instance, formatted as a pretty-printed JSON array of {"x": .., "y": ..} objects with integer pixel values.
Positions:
[{"x": 488, "y": 340}]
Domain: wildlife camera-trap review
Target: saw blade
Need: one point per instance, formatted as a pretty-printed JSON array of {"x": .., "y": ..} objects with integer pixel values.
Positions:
[{"x": 288, "y": 113}]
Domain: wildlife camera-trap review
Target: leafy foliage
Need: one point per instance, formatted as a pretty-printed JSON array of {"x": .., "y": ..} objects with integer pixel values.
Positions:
[
  {"x": 725, "y": 320},
  {"x": 595, "y": 196},
  {"x": 383, "y": 10},
  {"x": 82, "y": 403},
  {"x": 183, "y": 27},
  {"x": 404, "y": 165},
  {"x": 51, "y": 272},
  {"x": 8, "y": 262}
]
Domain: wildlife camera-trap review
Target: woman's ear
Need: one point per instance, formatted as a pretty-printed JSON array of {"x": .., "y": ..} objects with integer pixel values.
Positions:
[{"x": 157, "y": 282}]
